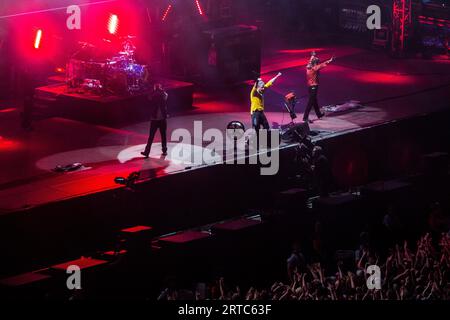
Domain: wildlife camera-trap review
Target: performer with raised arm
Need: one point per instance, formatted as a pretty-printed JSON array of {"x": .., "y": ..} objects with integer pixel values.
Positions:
[
  {"x": 312, "y": 76},
  {"x": 257, "y": 103}
]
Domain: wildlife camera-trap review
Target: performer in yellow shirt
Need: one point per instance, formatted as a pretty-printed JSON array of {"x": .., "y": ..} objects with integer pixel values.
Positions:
[{"x": 257, "y": 103}]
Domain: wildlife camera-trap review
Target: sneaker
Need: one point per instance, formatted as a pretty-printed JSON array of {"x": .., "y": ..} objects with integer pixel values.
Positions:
[{"x": 144, "y": 154}]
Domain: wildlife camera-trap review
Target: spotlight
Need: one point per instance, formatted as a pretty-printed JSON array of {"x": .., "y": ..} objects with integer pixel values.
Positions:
[
  {"x": 129, "y": 181},
  {"x": 166, "y": 12},
  {"x": 113, "y": 24},
  {"x": 170, "y": 6},
  {"x": 37, "y": 39},
  {"x": 69, "y": 168},
  {"x": 120, "y": 180},
  {"x": 199, "y": 7},
  {"x": 235, "y": 126}
]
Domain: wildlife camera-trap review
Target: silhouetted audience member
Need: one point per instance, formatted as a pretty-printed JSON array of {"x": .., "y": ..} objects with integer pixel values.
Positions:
[
  {"x": 322, "y": 171},
  {"x": 296, "y": 261}
]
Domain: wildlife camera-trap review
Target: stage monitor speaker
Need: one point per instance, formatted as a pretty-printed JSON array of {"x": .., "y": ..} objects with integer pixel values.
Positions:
[
  {"x": 295, "y": 132},
  {"x": 292, "y": 198},
  {"x": 381, "y": 37},
  {"x": 436, "y": 164}
]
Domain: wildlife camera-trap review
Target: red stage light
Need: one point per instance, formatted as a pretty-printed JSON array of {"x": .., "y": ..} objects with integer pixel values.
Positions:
[
  {"x": 6, "y": 111},
  {"x": 166, "y": 12},
  {"x": 113, "y": 24},
  {"x": 170, "y": 6},
  {"x": 199, "y": 7},
  {"x": 37, "y": 39},
  {"x": 8, "y": 145}
]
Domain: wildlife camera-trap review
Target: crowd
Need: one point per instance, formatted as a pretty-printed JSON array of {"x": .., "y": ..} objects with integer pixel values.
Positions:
[{"x": 407, "y": 273}]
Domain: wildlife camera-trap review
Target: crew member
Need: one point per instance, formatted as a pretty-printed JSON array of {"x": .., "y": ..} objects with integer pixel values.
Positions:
[{"x": 321, "y": 172}]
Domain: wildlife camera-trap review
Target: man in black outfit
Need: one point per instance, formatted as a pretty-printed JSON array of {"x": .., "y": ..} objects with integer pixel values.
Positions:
[{"x": 158, "y": 118}]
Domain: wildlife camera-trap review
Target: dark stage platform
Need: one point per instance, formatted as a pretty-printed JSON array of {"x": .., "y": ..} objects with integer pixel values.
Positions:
[{"x": 58, "y": 100}]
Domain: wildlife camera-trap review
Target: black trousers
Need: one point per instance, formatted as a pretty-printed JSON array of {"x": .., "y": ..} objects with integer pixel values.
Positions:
[
  {"x": 154, "y": 126},
  {"x": 259, "y": 120},
  {"x": 312, "y": 103}
]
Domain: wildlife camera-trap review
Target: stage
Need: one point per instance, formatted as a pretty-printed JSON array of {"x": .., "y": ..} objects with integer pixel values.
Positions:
[
  {"x": 109, "y": 151},
  {"x": 57, "y": 100},
  {"x": 390, "y": 97}
]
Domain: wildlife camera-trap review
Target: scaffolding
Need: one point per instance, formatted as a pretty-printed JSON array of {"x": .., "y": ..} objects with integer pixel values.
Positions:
[{"x": 401, "y": 26}]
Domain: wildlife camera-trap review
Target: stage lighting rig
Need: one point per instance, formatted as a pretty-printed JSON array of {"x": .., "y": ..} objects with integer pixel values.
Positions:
[{"x": 173, "y": 4}]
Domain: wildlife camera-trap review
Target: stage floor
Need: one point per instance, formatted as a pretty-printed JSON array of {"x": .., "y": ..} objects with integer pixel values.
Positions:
[
  {"x": 389, "y": 90},
  {"x": 60, "y": 89}
]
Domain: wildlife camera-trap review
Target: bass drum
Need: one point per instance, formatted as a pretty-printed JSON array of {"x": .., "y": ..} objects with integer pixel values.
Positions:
[
  {"x": 95, "y": 70},
  {"x": 117, "y": 83}
]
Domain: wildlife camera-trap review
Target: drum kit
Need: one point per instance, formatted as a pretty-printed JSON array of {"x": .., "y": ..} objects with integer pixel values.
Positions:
[{"x": 105, "y": 72}]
